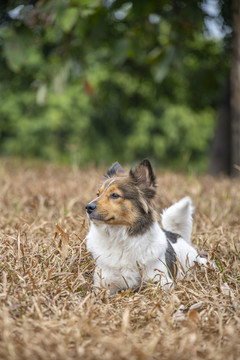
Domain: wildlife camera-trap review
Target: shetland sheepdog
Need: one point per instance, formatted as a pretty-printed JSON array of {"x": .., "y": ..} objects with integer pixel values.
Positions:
[{"x": 125, "y": 238}]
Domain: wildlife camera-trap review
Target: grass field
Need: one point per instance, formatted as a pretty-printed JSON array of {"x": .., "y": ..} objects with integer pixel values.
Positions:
[{"x": 48, "y": 309}]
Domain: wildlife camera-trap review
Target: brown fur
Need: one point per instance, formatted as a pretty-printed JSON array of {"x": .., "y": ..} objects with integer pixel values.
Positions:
[{"x": 133, "y": 208}]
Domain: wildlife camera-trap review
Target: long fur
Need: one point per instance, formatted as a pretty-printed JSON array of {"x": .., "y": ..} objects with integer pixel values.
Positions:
[
  {"x": 128, "y": 253},
  {"x": 178, "y": 218}
]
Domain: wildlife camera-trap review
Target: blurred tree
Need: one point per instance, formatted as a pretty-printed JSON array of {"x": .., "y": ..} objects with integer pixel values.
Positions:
[
  {"x": 235, "y": 91},
  {"x": 220, "y": 154},
  {"x": 99, "y": 80},
  {"x": 225, "y": 153}
]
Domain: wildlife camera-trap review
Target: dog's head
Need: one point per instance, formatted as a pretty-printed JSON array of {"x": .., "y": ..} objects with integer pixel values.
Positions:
[{"x": 125, "y": 198}]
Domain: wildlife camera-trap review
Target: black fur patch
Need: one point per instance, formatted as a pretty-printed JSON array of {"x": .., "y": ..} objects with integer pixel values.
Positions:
[
  {"x": 171, "y": 261},
  {"x": 171, "y": 236},
  {"x": 141, "y": 226}
]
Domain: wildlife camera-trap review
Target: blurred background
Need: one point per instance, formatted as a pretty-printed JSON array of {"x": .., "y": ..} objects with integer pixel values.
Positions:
[{"x": 95, "y": 81}]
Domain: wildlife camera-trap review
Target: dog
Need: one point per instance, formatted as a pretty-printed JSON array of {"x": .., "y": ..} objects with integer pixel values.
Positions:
[{"x": 125, "y": 238}]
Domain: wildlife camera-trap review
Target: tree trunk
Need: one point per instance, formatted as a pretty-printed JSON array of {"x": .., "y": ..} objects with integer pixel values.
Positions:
[
  {"x": 220, "y": 153},
  {"x": 235, "y": 92}
]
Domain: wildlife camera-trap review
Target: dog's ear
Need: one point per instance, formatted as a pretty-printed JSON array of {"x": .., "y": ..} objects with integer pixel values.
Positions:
[
  {"x": 114, "y": 170},
  {"x": 144, "y": 176}
]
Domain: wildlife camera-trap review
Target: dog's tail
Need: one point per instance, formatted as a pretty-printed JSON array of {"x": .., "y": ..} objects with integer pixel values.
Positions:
[{"x": 178, "y": 218}]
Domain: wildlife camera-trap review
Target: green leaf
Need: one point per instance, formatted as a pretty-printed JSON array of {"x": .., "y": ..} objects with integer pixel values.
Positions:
[
  {"x": 20, "y": 50},
  {"x": 69, "y": 19},
  {"x": 163, "y": 67}
]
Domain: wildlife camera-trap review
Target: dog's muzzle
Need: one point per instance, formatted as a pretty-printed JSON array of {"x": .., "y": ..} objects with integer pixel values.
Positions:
[{"x": 90, "y": 208}]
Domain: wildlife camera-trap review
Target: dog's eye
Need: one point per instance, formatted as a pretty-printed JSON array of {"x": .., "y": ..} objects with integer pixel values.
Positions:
[
  {"x": 114, "y": 196},
  {"x": 98, "y": 194}
]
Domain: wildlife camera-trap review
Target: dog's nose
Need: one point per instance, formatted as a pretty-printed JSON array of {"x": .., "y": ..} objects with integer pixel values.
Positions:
[{"x": 91, "y": 207}]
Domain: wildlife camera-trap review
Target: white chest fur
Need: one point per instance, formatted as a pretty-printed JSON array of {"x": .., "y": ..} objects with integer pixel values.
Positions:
[
  {"x": 119, "y": 256},
  {"x": 123, "y": 261}
]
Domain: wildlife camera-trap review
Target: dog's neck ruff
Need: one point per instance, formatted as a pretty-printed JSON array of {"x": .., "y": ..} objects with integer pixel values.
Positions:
[
  {"x": 138, "y": 229},
  {"x": 120, "y": 234},
  {"x": 119, "y": 255}
]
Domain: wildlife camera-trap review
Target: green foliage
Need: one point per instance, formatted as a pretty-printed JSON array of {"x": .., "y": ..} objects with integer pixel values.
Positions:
[{"x": 99, "y": 81}]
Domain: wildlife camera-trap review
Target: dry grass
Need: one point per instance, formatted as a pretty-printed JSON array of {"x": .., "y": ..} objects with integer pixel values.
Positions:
[{"x": 48, "y": 310}]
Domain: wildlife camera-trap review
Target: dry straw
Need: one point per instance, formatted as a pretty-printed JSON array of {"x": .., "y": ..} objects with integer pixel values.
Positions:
[{"x": 48, "y": 307}]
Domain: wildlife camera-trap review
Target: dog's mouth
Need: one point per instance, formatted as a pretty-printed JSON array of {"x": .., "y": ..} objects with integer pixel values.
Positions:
[{"x": 99, "y": 218}]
